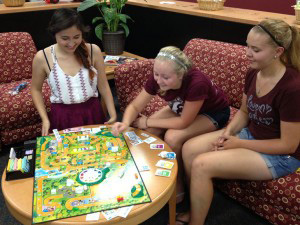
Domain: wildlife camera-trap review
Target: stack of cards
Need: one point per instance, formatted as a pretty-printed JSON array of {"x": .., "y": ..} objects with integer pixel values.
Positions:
[{"x": 134, "y": 139}]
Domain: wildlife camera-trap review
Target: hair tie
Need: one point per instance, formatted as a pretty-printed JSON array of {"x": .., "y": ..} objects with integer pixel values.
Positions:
[
  {"x": 172, "y": 57},
  {"x": 271, "y": 35}
]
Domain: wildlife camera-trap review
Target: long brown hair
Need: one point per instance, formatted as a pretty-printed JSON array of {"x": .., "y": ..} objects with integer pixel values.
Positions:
[{"x": 65, "y": 18}]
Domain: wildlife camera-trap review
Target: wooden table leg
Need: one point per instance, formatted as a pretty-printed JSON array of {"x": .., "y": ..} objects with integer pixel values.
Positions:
[{"x": 172, "y": 208}]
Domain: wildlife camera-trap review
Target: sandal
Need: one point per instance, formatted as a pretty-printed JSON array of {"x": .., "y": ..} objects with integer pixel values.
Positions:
[{"x": 180, "y": 220}]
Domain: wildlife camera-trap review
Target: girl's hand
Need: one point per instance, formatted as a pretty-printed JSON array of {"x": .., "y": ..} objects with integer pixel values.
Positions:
[
  {"x": 119, "y": 127},
  {"x": 45, "y": 127},
  {"x": 229, "y": 142},
  {"x": 141, "y": 122},
  {"x": 111, "y": 120},
  {"x": 219, "y": 144}
]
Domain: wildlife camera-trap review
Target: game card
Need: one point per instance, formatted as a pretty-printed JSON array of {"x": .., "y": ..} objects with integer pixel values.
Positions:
[
  {"x": 165, "y": 164},
  {"x": 144, "y": 168},
  {"x": 163, "y": 173},
  {"x": 157, "y": 146},
  {"x": 124, "y": 211},
  {"x": 110, "y": 214},
  {"x": 149, "y": 140}
]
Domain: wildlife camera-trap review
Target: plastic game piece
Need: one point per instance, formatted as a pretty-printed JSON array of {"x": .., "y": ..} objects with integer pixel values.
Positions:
[{"x": 12, "y": 154}]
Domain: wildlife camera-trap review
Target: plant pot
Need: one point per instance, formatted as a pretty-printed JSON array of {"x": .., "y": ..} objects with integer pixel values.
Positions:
[{"x": 113, "y": 42}]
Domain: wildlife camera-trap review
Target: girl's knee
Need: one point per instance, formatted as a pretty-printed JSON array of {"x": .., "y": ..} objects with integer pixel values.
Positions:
[
  {"x": 173, "y": 139},
  {"x": 201, "y": 164}
]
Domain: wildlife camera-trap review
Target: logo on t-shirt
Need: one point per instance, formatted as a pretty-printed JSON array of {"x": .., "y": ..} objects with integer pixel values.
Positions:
[
  {"x": 176, "y": 105},
  {"x": 259, "y": 113}
]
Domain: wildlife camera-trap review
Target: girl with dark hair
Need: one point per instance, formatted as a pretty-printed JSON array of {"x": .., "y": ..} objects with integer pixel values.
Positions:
[{"x": 74, "y": 70}]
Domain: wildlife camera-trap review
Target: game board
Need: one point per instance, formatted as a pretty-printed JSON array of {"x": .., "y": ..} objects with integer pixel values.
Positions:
[{"x": 84, "y": 173}]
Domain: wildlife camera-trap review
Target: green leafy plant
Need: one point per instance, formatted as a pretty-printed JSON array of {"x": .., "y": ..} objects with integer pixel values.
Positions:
[{"x": 111, "y": 18}]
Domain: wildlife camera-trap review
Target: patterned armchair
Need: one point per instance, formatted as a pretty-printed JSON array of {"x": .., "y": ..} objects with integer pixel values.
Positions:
[
  {"x": 19, "y": 119},
  {"x": 276, "y": 200}
]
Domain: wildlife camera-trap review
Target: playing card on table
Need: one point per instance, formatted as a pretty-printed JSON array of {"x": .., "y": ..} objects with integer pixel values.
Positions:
[
  {"x": 149, "y": 140},
  {"x": 157, "y": 146},
  {"x": 143, "y": 168},
  {"x": 110, "y": 214},
  {"x": 163, "y": 173},
  {"x": 131, "y": 135},
  {"x": 124, "y": 211},
  {"x": 165, "y": 164}
]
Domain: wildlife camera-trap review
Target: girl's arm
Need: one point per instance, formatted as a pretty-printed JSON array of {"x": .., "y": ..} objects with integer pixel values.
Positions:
[
  {"x": 103, "y": 85},
  {"x": 132, "y": 111},
  {"x": 287, "y": 143},
  {"x": 136, "y": 106},
  {"x": 38, "y": 76},
  {"x": 188, "y": 115},
  {"x": 240, "y": 120}
]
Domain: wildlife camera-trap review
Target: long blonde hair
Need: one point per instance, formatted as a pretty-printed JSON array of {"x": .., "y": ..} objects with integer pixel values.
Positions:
[{"x": 282, "y": 34}]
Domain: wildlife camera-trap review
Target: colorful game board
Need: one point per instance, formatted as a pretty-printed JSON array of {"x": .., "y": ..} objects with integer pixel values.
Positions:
[{"x": 84, "y": 173}]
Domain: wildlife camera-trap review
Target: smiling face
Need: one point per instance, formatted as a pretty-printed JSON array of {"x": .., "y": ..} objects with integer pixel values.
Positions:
[
  {"x": 165, "y": 76},
  {"x": 259, "y": 50},
  {"x": 69, "y": 39}
]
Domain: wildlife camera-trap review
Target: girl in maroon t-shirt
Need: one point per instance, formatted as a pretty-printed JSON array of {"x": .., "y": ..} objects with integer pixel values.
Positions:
[
  {"x": 196, "y": 105},
  {"x": 262, "y": 141}
]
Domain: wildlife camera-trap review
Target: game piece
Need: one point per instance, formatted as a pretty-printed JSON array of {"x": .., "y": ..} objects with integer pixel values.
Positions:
[
  {"x": 12, "y": 154},
  {"x": 167, "y": 155},
  {"x": 149, "y": 140},
  {"x": 157, "y": 146},
  {"x": 165, "y": 164},
  {"x": 163, "y": 173}
]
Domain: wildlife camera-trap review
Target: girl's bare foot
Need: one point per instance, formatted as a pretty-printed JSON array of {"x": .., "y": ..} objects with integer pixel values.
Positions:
[{"x": 183, "y": 218}]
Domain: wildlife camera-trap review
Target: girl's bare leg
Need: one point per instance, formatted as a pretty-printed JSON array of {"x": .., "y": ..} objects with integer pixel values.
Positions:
[
  {"x": 176, "y": 138},
  {"x": 227, "y": 164}
]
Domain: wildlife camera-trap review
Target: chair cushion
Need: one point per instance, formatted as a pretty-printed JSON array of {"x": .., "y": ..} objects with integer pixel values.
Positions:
[
  {"x": 276, "y": 200},
  {"x": 17, "y": 111}
]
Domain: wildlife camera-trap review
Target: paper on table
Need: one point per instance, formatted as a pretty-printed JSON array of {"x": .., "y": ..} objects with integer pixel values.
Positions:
[{"x": 93, "y": 216}]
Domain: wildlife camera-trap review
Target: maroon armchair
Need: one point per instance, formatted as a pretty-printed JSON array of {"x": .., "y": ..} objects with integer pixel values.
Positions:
[
  {"x": 19, "y": 119},
  {"x": 226, "y": 64}
]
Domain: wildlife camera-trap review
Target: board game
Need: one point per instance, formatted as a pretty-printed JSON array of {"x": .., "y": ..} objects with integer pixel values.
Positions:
[{"x": 82, "y": 173}]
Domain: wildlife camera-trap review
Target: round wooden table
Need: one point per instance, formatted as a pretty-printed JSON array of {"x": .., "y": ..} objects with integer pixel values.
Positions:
[{"x": 18, "y": 194}]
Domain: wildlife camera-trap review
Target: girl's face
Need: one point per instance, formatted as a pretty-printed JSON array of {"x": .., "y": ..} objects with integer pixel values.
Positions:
[
  {"x": 259, "y": 51},
  {"x": 165, "y": 75},
  {"x": 69, "y": 39}
]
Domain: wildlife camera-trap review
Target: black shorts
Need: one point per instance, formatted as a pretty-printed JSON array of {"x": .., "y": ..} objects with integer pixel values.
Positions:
[{"x": 219, "y": 118}]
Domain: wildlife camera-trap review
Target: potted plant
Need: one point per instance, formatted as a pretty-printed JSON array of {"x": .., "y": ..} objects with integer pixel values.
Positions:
[{"x": 111, "y": 26}]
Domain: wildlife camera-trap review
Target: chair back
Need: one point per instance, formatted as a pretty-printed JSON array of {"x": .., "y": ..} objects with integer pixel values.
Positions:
[
  {"x": 225, "y": 64},
  {"x": 17, "y": 50}
]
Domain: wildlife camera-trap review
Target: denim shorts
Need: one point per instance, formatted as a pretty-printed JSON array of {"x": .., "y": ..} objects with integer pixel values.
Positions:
[
  {"x": 279, "y": 165},
  {"x": 219, "y": 118}
]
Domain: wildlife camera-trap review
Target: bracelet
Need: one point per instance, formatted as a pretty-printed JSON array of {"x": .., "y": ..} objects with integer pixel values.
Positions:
[{"x": 146, "y": 122}]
